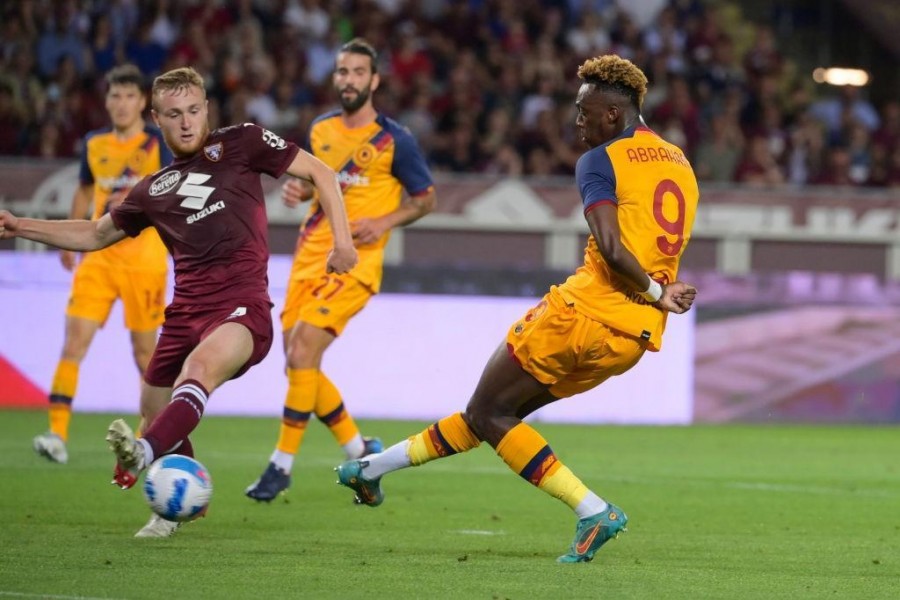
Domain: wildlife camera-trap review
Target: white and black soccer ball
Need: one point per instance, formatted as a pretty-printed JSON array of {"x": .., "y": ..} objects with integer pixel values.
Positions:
[{"x": 178, "y": 488}]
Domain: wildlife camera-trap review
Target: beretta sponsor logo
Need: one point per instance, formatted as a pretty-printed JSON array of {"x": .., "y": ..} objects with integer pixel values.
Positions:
[{"x": 165, "y": 183}]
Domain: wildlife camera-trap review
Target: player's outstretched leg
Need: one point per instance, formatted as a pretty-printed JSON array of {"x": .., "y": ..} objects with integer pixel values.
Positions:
[
  {"x": 130, "y": 460},
  {"x": 168, "y": 432},
  {"x": 527, "y": 453},
  {"x": 51, "y": 446},
  {"x": 368, "y": 491},
  {"x": 451, "y": 435},
  {"x": 592, "y": 532}
]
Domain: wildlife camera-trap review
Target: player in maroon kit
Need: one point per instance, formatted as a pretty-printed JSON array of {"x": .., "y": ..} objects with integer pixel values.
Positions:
[{"x": 209, "y": 210}]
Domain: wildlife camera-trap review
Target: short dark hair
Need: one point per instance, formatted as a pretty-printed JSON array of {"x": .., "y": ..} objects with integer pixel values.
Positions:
[
  {"x": 125, "y": 75},
  {"x": 616, "y": 74},
  {"x": 359, "y": 45}
]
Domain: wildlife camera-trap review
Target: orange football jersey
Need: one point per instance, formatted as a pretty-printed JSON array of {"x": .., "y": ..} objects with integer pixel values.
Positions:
[
  {"x": 112, "y": 165},
  {"x": 655, "y": 191},
  {"x": 374, "y": 164}
]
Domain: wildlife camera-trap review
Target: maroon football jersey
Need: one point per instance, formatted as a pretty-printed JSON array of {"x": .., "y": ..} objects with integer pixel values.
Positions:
[{"x": 210, "y": 212}]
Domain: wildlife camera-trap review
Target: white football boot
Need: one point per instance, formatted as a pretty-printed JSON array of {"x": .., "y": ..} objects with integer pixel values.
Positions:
[
  {"x": 157, "y": 527},
  {"x": 52, "y": 447},
  {"x": 129, "y": 454}
]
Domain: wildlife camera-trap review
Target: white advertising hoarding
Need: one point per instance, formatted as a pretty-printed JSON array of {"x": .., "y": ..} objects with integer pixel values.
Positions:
[{"x": 403, "y": 357}]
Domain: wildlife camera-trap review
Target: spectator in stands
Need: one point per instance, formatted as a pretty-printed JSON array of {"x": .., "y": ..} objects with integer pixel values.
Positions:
[
  {"x": 106, "y": 53},
  {"x": 837, "y": 168},
  {"x": 419, "y": 118},
  {"x": 763, "y": 58},
  {"x": 888, "y": 134},
  {"x": 461, "y": 153},
  {"x": 719, "y": 153},
  {"x": 834, "y": 111},
  {"x": 307, "y": 18},
  {"x": 807, "y": 150},
  {"x": 770, "y": 127},
  {"x": 320, "y": 55},
  {"x": 588, "y": 36},
  {"x": 893, "y": 173},
  {"x": 502, "y": 55},
  {"x": 164, "y": 31},
  {"x": 722, "y": 71},
  {"x": 261, "y": 107},
  {"x": 57, "y": 42},
  {"x": 505, "y": 161},
  {"x": 758, "y": 167},
  {"x": 13, "y": 36},
  {"x": 12, "y": 120},
  {"x": 497, "y": 131},
  {"x": 409, "y": 60},
  {"x": 859, "y": 150},
  {"x": 145, "y": 52},
  {"x": 678, "y": 109}
]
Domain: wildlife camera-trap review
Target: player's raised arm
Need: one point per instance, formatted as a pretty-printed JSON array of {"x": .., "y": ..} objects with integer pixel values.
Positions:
[
  {"x": 79, "y": 235},
  {"x": 343, "y": 256}
]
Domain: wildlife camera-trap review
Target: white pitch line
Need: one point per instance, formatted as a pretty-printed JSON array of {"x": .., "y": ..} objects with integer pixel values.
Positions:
[{"x": 479, "y": 532}]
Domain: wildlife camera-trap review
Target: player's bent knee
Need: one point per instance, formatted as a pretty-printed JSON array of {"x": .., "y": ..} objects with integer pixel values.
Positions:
[
  {"x": 479, "y": 419},
  {"x": 75, "y": 348},
  {"x": 196, "y": 370},
  {"x": 303, "y": 355}
]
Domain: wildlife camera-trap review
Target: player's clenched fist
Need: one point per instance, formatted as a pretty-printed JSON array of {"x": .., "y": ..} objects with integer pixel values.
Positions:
[
  {"x": 9, "y": 223},
  {"x": 341, "y": 260},
  {"x": 295, "y": 191},
  {"x": 678, "y": 297}
]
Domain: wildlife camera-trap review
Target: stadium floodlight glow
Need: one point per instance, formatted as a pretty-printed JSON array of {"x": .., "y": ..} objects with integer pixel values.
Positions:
[{"x": 840, "y": 76}]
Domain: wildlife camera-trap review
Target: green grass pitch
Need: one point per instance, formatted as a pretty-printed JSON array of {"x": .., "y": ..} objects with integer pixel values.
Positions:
[{"x": 715, "y": 512}]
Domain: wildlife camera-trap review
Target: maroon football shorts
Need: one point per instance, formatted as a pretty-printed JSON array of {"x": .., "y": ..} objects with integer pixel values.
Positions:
[{"x": 186, "y": 325}]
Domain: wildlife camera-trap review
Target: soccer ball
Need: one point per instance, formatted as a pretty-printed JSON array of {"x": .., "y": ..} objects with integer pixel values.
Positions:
[{"x": 178, "y": 488}]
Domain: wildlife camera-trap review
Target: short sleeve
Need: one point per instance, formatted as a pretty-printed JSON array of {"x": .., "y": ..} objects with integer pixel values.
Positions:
[
  {"x": 266, "y": 152},
  {"x": 409, "y": 166},
  {"x": 129, "y": 216},
  {"x": 85, "y": 175},
  {"x": 595, "y": 178}
]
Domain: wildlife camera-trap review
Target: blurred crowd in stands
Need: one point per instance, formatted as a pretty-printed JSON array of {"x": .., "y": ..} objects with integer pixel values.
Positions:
[{"x": 487, "y": 86}]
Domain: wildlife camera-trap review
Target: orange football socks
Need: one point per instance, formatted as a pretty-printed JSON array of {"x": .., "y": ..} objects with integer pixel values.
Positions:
[{"x": 62, "y": 390}]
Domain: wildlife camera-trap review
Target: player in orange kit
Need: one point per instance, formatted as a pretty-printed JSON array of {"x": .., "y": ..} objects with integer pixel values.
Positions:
[
  {"x": 376, "y": 159},
  {"x": 113, "y": 161},
  {"x": 640, "y": 196}
]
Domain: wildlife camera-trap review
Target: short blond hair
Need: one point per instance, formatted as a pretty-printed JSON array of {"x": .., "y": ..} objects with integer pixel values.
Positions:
[
  {"x": 177, "y": 80},
  {"x": 616, "y": 73}
]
